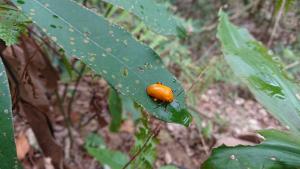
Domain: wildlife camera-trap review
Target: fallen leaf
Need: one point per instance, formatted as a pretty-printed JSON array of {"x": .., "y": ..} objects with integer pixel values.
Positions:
[
  {"x": 231, "y": 141},
  {"x": 127, "y": 126},
  {"x": 23, "y": 146}
]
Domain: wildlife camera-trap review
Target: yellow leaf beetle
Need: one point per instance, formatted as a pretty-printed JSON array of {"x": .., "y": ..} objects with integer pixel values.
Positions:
[{"x": 160, "y": 92}]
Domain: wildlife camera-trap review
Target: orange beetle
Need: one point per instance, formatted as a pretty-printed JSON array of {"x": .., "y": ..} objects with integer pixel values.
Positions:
[{"x": 160, "y": 92}]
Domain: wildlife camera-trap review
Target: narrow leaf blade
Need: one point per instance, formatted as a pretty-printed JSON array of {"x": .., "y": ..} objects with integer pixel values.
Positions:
[
  {"x": 262, "y": 73},
  {"x": 8, "y": 156},
  {"x": 115, "y": 108}
]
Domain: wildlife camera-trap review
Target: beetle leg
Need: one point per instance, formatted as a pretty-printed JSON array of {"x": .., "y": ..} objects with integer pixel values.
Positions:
[{"x": 165, "y": 106}]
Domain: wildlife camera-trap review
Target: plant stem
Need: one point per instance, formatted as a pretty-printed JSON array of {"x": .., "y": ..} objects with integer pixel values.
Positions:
[
  {"x": 67, "y": 120},
  {"x": 154, "y": 134},
  {"x": 74, "y": 91},
  {"x": 276, "y": 22}
]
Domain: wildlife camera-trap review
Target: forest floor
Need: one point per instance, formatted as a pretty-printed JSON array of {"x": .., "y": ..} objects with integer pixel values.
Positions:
[{"x": 233, "y": 120}]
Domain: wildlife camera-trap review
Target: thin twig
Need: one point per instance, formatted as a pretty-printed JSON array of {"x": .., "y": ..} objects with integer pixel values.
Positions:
[
  {"x": 75, "y": 90},
  {"x": 66, "y": 120},
  {"x": 205, "y": 147},
  {"x": 27, "y": 64},
  {"x": 198, "y": 78},
  {"x": 88, "y": 121},
  {"x": 292, "y": 65},
  {"x": 276, "y": 23},
  {"x": 197, "y": 111},
  {"x": 154, "y": 134}
]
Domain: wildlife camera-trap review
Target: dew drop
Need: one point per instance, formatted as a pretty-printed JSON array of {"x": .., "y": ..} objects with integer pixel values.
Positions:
[
  {"x": 126, "y": 59},
  {"x": 232, "y": 157},
  {"x": 86, "y": 41},
  {"x": 108, "y": 50},
  {"x": 71, "y": 29},
  {"x": 125, "y": 42},
  {"x": 6, "y": 111},
  {"x": 54, "y": 38},
  {"x": 119, "y": 85}
]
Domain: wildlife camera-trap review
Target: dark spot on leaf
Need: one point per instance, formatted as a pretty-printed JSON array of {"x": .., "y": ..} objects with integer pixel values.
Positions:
[
  {"x": 53, "y": 26},
  {"x": 20, "y": 1},
  {"x": 141, "y": 68},
  {"x": 125, "y": 72}
]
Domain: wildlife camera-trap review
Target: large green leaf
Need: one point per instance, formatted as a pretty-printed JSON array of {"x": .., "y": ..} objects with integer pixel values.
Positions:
[
  {"x": 280, "y": 150},
  {"x": 154, "y": 15},
  {"x": 8, "y": 157},
  {"x": 96, "y": 147},
  {"x": 126, "y": 64},
  {"x": 262, "y": 72}
]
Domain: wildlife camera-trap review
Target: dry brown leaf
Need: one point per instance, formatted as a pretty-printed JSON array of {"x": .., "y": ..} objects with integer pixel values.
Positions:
[
  {"x": 231, "y": 141},
  {"x": 127, "y": 126},
  {"x": 22, "y": 145}
]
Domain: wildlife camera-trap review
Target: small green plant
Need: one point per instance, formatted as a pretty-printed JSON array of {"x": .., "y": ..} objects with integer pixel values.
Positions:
[
  {"x": 145, "y": 142},
  {"x": 95, "y": 146},
  {"x": 12, "y": 24}
]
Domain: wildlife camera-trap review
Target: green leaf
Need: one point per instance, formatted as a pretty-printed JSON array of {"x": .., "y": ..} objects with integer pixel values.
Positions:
[
  {"x": 115, "y": 108},
  {"x": 280, "y": 150},
  {"x": 126, "y": 64},
  {"x": 287, "y": 5},
  {"x": 261, "y": 72},
  {"x": 168, "y": 167},
  {"x": 197, "y": 119},
  {"x": 12, "y": 24},
  {"x": 8, "y": 156},
  {"x": 154, "y": 15},
  {"x": 95, "y": 146},
  {"x": 144, "y": 140},
  {"x": 131, "y": 107}
]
